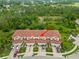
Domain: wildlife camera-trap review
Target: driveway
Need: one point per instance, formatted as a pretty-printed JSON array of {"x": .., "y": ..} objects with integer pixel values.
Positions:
[
  {"x": 29, "y": 51},
  {"x": 55, "y": 53},
  {"x": 41, "y": 52}
]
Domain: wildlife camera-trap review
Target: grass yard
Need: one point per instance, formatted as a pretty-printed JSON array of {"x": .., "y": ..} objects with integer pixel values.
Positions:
[
  {"x": 66, "y": 46},
  {"x": 5, "y": 43},
  {"x": 22, "y": 50},
  {"x": 35, "y": 49},
  {"x": 49, "y": 49},
  {"x": 5, "y": 52}
]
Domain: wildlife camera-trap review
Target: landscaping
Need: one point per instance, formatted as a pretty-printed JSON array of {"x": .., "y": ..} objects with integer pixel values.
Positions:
[
  {"x": 22, "y": 50},
  {"x": 67, "y": 46},
  {"x": 49, "y": 49},
  {"x": 5, "y": 43},
  {"x": 4, "y": 52},
  {"x": 35, "y": 49},
  {"x": 49, "y": 54},
  {"x": 23, "y": 47}
]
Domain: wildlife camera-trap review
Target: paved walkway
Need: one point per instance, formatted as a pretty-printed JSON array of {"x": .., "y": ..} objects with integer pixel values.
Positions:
[
  {"x": 55, "y": 53},
  {"x": 29, "y": 51},
  {"x": 41, "y": 52}
]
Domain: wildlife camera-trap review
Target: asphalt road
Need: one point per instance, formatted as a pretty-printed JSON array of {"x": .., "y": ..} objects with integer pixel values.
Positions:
[
  {"x": 73, "y": 56},
  {"x": 42, "y": 57}
]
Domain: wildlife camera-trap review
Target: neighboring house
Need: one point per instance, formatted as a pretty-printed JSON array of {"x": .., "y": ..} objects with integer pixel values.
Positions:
[{"x": 30, "y": 37}]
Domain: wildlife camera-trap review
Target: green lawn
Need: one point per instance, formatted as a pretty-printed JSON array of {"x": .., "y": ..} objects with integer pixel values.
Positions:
[
  {"x": 35, "y": 49},
  {"x": 5, "y": 43},
  {"x": 49, "y": 49},
  {"x": 22, "y": 50},
  {"x": 66, "y": 46},
  {"x": 4, "y": 52}
]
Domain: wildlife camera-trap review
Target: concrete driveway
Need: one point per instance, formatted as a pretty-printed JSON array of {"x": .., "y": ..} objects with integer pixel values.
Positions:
[
  {"x": 29, "y": 51},
  {"x": 55, "y": 53},
  {"x": 41, "y": 52}
]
